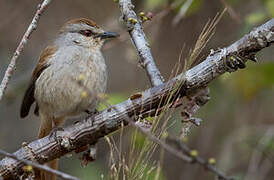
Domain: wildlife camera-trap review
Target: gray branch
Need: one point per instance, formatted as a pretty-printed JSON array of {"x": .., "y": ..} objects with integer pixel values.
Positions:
[
  {"x": 19, "y": 49},
  {"x": 139, "y": 40},
  {"x": 90, "y": 130},
  {"x": 39, "y": 166},
  {"x": 181, "y": 147}
]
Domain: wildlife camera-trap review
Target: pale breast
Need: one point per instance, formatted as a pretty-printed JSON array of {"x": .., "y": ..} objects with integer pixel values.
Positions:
[{"x": 72, "y": 82}]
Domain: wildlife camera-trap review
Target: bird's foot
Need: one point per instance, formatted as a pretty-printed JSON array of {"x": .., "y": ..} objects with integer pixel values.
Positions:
[
  {"x": 53, "y": 133},
  {"x": 92, "y": 112}
]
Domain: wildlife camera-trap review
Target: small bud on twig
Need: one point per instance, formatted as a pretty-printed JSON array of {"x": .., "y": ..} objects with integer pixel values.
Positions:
[
  {"x": 194, "y": 153},
  {"x": 141, "y": 14},
  {"x": 84, "y": 94},
  {"x": 212, "y": 161}
]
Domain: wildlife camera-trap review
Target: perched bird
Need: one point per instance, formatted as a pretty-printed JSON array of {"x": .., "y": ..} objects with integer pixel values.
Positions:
[{"x": 69, "y": 75}]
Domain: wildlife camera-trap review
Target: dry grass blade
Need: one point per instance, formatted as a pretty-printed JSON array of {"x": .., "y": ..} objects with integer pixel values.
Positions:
[{"x": 206, "y": 34}]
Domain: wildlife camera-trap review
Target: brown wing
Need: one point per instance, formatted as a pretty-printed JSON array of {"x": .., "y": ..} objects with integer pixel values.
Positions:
[{"x": 29, "y": 99}]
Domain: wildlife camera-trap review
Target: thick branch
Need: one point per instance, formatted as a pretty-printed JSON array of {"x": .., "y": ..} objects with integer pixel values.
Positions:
[
  {"x": 19, "y": 49},
  {"x": 90, "y": 130},
  {"x": 139, "y": 39}
]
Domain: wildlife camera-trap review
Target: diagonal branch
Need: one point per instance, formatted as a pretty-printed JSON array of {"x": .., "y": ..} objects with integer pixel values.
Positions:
[
  {"x": 38, "y": 166},
  {"x": 195, "y": 158},
  {"x": 91, "y": 129},
  {"x": 139, "y": 40},
  {"x": 19, "y": 49}
]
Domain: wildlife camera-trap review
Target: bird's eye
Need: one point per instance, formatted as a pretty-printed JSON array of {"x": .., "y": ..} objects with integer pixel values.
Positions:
[{"x": 86, "y": 33}]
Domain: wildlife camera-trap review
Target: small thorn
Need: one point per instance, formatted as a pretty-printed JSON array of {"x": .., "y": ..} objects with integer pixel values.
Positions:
[
  {"x": 253, "y": 58},
  {"x": 196, "y": 121}
]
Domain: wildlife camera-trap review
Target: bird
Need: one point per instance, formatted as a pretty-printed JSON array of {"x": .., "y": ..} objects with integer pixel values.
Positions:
[{"x": 69, "y": 75}]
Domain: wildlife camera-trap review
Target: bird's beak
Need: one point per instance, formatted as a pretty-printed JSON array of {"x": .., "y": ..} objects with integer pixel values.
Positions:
[{"x": 106, "y": 35}]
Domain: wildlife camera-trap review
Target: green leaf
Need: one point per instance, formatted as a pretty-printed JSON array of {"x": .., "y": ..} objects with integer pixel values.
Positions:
[
  {"x": 139, "y": 139},
  {"x": 194, "y": 7},
  {"x": 233, "y": 2},
  {"x": 151, "y": 4},
  {"x": 149, "y": 173},
  {"x": 269, "y": 5},
  {"x": 255, "y": 18},
  {"x": 269, "y": 145},
  {"x": 252, "y": 80},
  {"x": 112, "y": 99}
]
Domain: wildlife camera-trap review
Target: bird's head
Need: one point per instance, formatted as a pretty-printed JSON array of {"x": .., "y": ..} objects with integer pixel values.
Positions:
[{"x": 84, "y": 32}]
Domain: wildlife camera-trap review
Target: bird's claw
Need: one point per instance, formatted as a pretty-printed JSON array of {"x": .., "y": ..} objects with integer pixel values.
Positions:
[
  {"x": 53, "y": 133},
  {"x": 92, "y": 112}
]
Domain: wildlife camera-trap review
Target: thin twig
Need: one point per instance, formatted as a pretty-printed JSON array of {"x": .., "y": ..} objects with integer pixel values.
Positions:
[
  {"x": 39, "y": 166},
  {"x": 184, "y": 152},
  {"x": 185, "y": 156},
  {"x": 253, "y": 171},
  {"x": 139, "y": 39},
  {"x": 197, "y": 159},
  {"x": 19, "y": 49},
  {"x": 124, "y": 35},
  {"x": 158, "y": 141}
]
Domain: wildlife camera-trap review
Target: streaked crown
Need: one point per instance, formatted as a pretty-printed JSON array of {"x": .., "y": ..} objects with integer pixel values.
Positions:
[{"x": 78, "y": 24}]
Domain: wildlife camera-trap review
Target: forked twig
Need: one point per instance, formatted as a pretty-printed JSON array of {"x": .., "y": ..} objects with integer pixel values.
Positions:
[{"x": 139, "y": 39}]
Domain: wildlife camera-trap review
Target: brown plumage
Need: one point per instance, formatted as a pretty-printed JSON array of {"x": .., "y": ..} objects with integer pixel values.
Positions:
[
  {"x": 82, "y": 21},
  {"x": 79, "y": 21},
  {"x": 54, "y": 87},
  {"x": 28, "y": 99}
]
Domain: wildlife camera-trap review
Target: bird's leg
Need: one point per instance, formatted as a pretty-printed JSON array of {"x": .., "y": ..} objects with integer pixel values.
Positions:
[
  {"x": 92, "y": 113},
  {"x": 56, "y": 123}
]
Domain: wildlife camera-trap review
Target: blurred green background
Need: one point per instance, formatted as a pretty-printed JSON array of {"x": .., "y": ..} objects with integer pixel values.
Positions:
[{"x": 238, "y": 121}]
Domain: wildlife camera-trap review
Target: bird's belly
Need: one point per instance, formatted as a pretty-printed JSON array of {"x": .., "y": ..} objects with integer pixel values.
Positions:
[{"x": 69, "y": 91}]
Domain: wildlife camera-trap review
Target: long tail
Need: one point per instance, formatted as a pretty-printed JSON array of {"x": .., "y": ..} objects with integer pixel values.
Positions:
[{"x": 44, "y": 130}]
